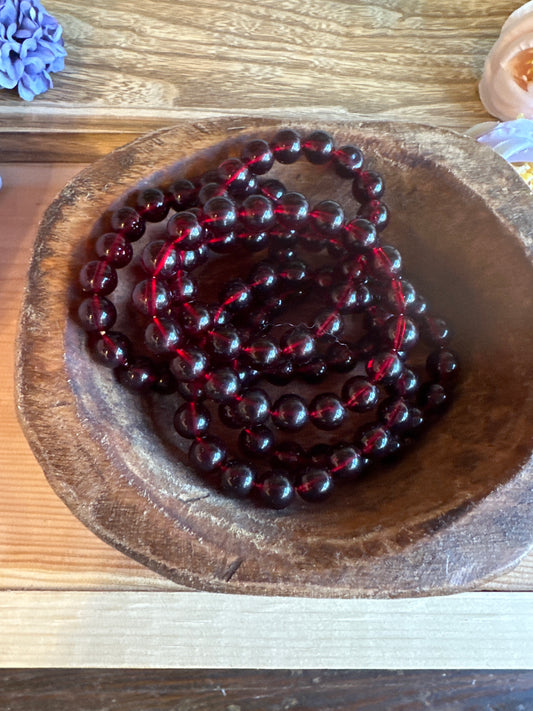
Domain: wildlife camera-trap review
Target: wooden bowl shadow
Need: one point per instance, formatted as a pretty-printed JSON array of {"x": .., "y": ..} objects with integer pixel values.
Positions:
[{"x": 454, "y": 511}]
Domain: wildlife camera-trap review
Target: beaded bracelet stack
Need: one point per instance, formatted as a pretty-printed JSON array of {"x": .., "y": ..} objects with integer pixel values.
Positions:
[{"x": 220, "y": 356}]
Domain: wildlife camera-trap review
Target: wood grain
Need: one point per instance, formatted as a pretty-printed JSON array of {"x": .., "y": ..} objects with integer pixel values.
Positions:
[
  {"x": 214, "y": 690},
  {"x": 132, "y": 68},
  {"x": 198, "y": 630},
  {"x": 129, "y": 485},
  {"x": 307, "y": 690}
]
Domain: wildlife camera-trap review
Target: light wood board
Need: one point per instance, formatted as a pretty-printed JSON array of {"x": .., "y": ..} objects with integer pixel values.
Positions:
[{"x": 191, "y": 630}]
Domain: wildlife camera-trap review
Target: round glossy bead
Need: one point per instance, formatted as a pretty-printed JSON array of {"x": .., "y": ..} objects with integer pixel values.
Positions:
[
  {"x": 328, "y": 323},
  {"x": 314, "y": 485},
  {"x": 314, "y": 371},
  {"x": 318, "y": 147},
  {"x": 374, "y": 442},
  {"x": 189, "y": 364},
  {"x": 359, "y": 394},
  {"x": 222, "y": 385},
  {"x": 150, "y": 297},
  {"x": 395, "y": 414},
  {"x": 288, "y": 455},
  {"x": 401, "y": 333},
  {"x": 252, "y": 407},
  {"x": 286, "y": 146},
  {"x": 115, "y": 249},
  {"x": 235, "y": 176},
  {"x": 401, "y": 296},
  {"x": 367, "y": 185},
  {"x": 276, "y": 490},
  {"x": 347, "y": 161},
  {"x": 442, "y": 365},
  {"x": 263, "y": 280},
  {"x": 384, "y": 367},
  {"x": 289, "y": 413},
  {"x": 292, "y": 210},
  {"x": 298, "y": 344},
  {"x": 262, "y": 353},
  {"x": 137, "y": 375},
  {"x": 376, "y": 212},
  {"x": 340, "y": 358},
  {"x": 294, "y": 273},
  {"x": 221, "y": 242},
  {"x": 98, "y": 277},
  {"x": 281, "y": 373},
  {"x": 152, "y": 205},
  {"x": 327, "y": 411},
  {"x": 434, "y": 331},
  {"x": 159, "y": 258},
  {"x": 272, "y": 188},
  {"x": 406, "y": 385},
  {"x": 110, "y": 349},
  {"x": 192, "y": 391},
  {"x": 257, "y": 155},
  {"x": 256, "y": 213},
  {"x": 351, "y": 298},
  {"x": 359, "y": 234},
  {"x": 195, "y": 318},
  {"x": 162, "y": 336},
  {"x": 432, "y": 397},
  {"x": 327, "y": 217},
  {"x": 191, "y": 420},
  {"x": 208, "y": 191},
  {"x": 345, "y": 462},
  {"x": 97, "y": 314},
  {"x": 219, "y": 214},
  {"x": 184, "y": 230},
  {"x": 181, "y": 194},
  {"x": 386, "y": 261},
  {"x": 207, "y": 454},
  {"x": 225, "y": 342},
  {"x": 183, "y": 287},
  {"x": 237, "y": 479},
  {"x": 236, "y": 296},
  {"x": 256, "y": 441},
  {"x": 128, "y": 223}
]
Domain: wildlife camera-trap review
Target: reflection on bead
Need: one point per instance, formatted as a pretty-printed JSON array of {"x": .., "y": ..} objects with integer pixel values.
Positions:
[
  {"x": 367, "y": 185},
  {"x": 184, "y": 230},
  {"x": 286, "y": 146},
  {"x": 360, "y": 234},
  {"x": 237, "y": 479},
  {"x": 97, "y": 313},
  {"x": 115, "y": 249},
  {"x": 318, "y": 147},
  {"x": 384, "y": 368},
  {"x": 359, "y": 394},
  {"x": 276, "y": 490},
  {"x": 110, "y": 349},
  {"x": 326, "y": 411},
  {"x": 292, "y": 210},
  {"x": 314, "y": 485},
  {"x": 289, "y": 413},
  {"x": 152, "y": 205},
  {"x": 272, "y": 188},
  {"x": 191, "y": 420},
  {"x": 181, "y": 194},
  {"x": 207, "y": 454},
  {"x": 327, "y": 217},
  {"x": 222, "y": 385},
  {"x": 150, "y": 297},
  {"x": 347, "y": 161},
  {"x": 188, "y": 364},
  {"x": 256, "y": 441},
  {"x": 159, "y": 258},
  {"x": 220, "y": 214},
  {"x": 442, "y": 365},
  {"x": 257, "y": 156},
  {"x": 138, "y": 375},
  {"x": 257, "y": 213},
  {"x": 376, "y": 212},
  {"x": 128, "y": 223},
  {"x": 345, "y": 462},
  {"x": 162, "y": 336},
  {"x": 98, "y": 277},
  {"x": 252, "y": 407}
]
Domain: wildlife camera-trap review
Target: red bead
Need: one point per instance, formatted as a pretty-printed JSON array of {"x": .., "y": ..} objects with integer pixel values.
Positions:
[
  {"x": 137, "y": 375},
  {"x": 359, "y": 394},
  {"x": 384, "y": 367},
  {"x": 257, "y": 213},
  {"x": 386, "y": 261},
  {"x": 207, "y": 454},
  {"x": 188, "y": 364},
  {"x": 263, "y": 280},
  {"x": 367, "y": 185},
  {"x": 442, "y": 365},
  {"x": 298, "y": 344},
  {"x": 162, "y": 336},
  {"x": 359, "y": 234},
  {"x": 235, "y": 176},
  {"x": 184, "y": 230},
  {"x": 272, "y": 188},
  {"x": 345, "y": 462},
  {"x": 262, "y": 353},
  {"x": 276, "y": 490},
  {"x": 401, "y": 333},
  {"x": 183, "y": 287},
  {"x": 211, "y": 190},
  {"x": 376, "y": 212},
  {"x": 252, "y": 407},
  {"x": 318, "y": 147},
  {"x": 286, "y": 146},
  {"x": 314, "y": 485},
  {"x": 222, "y": 385},
  {"x": 195, "y": 318},
  {"x": 328, "y": 323},
  {"x": 374, "y": 442},
  {"x": 395, "y": 414},
  {"x": 256, "y": 441},
  {"x": 98, "y": 277},
  {"x": 289, "y": 413},
  {"x": 257, "y": 156},
  {"x": 220, "y": 214},
  {"x": 347, "y": 161},
  {"x": 192, "y": 420},
  {"x": 159, "y": 258},
  {"x": 152, "y": 205},
  {"x": 110, "y": 349},
  {"x": 292, "y": 210},
  {"x": 150, "y": 297},
  {"x": 326, "y": 217},
  {"x": 115, "y": 249},
  {"x": 181, "y": 194},
  {"x": 237, "y": 479},
  {"x": 236, "y": 296},
  {"x": 327, "y": 412},
  {"x": 97, "y": 313},
  {"x": 128, "y": 223}
]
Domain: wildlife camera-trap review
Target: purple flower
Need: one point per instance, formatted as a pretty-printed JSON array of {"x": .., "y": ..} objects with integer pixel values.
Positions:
[
  {"x": 30, "y": 47},
  {"x": 513, "y": 140}
]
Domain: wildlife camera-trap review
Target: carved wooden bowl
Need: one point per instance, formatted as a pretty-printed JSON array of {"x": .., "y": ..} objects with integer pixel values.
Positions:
[{"x": 454, "y": 511}]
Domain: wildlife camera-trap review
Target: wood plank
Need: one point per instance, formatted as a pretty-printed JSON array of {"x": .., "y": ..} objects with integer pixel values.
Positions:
[
  {"x": 199, "y": 630},
  {"x": 256, "y": 690},
  {"x": 42, "y": 546},
  {"x": 129, "y": 65}
]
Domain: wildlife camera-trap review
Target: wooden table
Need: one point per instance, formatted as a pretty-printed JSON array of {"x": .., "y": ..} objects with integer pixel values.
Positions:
[{"x": 67, "y": 599}]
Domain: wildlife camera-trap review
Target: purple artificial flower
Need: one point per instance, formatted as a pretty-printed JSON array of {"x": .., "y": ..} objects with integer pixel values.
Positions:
[
  {"x": 513, "y": 140},
  {"x": 30, "y": 47}
]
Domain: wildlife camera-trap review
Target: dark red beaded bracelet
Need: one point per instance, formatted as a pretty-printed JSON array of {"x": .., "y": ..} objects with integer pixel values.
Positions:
[{"x": 220, "y": 357}]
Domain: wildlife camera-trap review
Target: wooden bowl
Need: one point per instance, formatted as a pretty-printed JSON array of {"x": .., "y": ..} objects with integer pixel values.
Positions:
[{"x": 454, "y": 511}]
